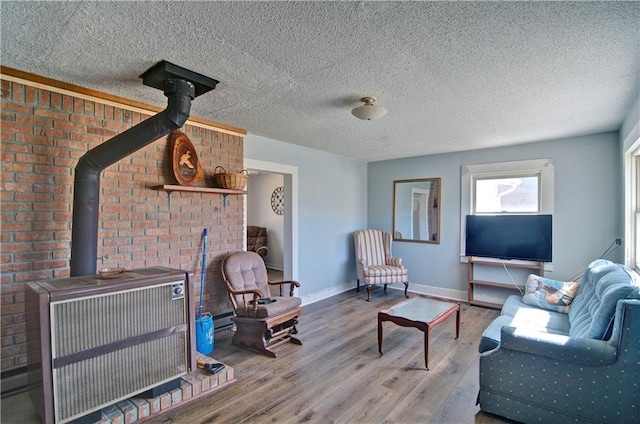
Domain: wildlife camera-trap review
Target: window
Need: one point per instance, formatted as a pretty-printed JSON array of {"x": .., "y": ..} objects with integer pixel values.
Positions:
[
  {"x": 506, "y": 194},
  {"x": 636, "y": 242},
  {"x": 632, "y": 206},
  {"x": 518, "y": 187}
]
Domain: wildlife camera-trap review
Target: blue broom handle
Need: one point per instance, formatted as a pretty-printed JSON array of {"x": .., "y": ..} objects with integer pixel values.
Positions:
[{"x": 204, "y": 261}]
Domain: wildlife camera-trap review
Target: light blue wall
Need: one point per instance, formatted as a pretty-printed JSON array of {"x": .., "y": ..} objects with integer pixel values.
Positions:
[
  {"x": 332, "y": 203},
  {"x": 338, "y": 196},
  {"x": 588, "y": 201}
]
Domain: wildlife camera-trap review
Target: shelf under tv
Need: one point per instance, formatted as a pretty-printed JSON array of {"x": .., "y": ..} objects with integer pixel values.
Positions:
[{"x": 538, "y": 267}]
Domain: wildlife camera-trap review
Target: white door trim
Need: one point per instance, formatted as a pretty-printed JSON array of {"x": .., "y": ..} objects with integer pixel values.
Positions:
[{"x": 290, "y": 248}]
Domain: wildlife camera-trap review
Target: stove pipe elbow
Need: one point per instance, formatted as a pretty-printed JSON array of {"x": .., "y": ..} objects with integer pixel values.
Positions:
[{"x": 86, "y": 192}]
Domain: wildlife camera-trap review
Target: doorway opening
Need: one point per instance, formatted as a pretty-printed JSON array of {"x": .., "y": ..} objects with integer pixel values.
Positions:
[{"x": 285, "y": 200}]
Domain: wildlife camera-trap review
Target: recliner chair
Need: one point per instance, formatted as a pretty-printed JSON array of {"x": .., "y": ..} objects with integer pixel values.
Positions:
[
  {"x": 257, "y": 240},
  {"x": 262, "y": 322}
]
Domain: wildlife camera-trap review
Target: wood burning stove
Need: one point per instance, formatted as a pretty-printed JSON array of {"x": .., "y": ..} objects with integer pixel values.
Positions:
[{"x": 94, "y": 342}]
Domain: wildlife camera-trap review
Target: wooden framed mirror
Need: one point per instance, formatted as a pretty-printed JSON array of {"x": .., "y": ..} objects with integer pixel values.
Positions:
[{"x": 416, "y": 210}]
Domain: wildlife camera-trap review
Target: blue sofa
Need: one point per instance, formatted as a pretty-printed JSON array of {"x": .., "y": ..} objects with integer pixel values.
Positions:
[{"x": 543, "y": 366}]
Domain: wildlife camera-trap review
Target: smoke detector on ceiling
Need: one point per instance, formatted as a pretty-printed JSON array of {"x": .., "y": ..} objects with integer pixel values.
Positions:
[{"x": 369, "y": 111}]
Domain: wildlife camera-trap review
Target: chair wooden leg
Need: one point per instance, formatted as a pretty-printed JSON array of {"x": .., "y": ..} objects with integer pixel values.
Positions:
[
  {"x": 406, "y": 287},
  {"x": 368, "y": 292},
  {"x": 385, "y": 288},
  {"x": 358, "y": 286}
]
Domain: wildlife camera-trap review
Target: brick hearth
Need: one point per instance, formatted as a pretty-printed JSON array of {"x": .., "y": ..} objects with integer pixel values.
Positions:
[{"x": 194, "y": 385}]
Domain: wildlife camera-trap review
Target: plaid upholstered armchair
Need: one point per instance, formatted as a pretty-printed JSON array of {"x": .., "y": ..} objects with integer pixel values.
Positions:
[
  {"x": 263, "y": 322},
  {"x": 374, "y": 262}
]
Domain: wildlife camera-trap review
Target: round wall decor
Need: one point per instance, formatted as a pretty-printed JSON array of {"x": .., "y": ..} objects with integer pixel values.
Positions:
[{"x": 277, "y": 200}]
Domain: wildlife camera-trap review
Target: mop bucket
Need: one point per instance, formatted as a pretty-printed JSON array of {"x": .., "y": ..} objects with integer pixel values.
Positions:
[{"x": 204, "y": 334}]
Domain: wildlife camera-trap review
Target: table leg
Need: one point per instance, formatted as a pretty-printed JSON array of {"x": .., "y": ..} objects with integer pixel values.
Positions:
[
  {"x": 379, "y": 335},
  {"x": 426, "y": 347},
  {"x": 458, "y": 321}
]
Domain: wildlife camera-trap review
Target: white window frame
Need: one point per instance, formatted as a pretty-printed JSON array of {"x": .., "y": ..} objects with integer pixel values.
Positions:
[
  {"x": 632, "y": 206},
  {"x": 482, "y": 177},
  {"x": 469, "y": 173}
]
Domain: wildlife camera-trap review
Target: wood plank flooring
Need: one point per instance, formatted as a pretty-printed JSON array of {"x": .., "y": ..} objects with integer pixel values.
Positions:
[{"x": 338, "y": 376}]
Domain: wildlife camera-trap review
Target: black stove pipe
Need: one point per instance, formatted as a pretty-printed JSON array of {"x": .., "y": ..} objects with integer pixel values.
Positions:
[{"x": 86, "y": 189}]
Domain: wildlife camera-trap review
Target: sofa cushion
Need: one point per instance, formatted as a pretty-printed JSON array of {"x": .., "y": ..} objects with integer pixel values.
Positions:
[
  {"x": 517, "y": 314},
  {"x": 541, "y": 318},
  {"x": 549, "y": 294},
  {"x": 603, "y": 284}
]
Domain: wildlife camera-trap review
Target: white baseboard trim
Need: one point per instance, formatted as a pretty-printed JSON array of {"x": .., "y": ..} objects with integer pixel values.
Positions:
[
  {"x": 459, "y": 295},
  {"x": 331, "y": 291}
]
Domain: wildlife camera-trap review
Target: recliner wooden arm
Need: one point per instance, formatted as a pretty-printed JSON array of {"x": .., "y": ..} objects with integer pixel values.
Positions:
[
  {"x": 262, "y": 251},
  {"x": 257, "y": 294},
  {"x": 294, "y": 284}
]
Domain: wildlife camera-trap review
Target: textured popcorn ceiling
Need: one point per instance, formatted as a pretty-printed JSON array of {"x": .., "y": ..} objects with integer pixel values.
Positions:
[{"x": 453, "y": 75}]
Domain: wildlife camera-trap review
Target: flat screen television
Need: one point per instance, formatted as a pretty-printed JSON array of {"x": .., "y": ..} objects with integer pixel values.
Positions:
[{"x": 525, "y": 237}]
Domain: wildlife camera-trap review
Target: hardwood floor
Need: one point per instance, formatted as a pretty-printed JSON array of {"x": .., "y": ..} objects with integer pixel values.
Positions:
[
  {"x": 338, "y": 376},
  {"x": 274, "y": 274}
]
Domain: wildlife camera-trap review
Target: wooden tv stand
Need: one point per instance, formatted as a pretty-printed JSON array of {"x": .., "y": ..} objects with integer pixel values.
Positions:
[{"x": 537, "y": 267}]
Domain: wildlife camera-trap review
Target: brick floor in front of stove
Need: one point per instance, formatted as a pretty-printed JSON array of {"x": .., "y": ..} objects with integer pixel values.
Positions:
[{"x": 193, "y": 385}]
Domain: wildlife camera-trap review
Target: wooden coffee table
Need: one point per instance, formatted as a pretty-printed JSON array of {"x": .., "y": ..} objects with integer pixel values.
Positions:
[{"x": 422, "y": 313}]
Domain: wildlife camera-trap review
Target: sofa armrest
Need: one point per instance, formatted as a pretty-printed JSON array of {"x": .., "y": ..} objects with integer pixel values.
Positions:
[
  {"x": 393, "y": 261},
  {"x": 572, "y": 349}
]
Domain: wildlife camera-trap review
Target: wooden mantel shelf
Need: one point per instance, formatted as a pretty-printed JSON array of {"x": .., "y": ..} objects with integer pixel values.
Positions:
[{"x": 171, "y": 187}]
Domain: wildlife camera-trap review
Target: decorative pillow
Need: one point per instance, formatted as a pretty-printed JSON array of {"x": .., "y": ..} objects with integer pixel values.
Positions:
[{"x": 549, "y": 294}]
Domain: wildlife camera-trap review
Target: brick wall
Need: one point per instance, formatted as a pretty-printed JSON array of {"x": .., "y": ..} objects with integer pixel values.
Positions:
[{"x": 43, "y": 134}]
